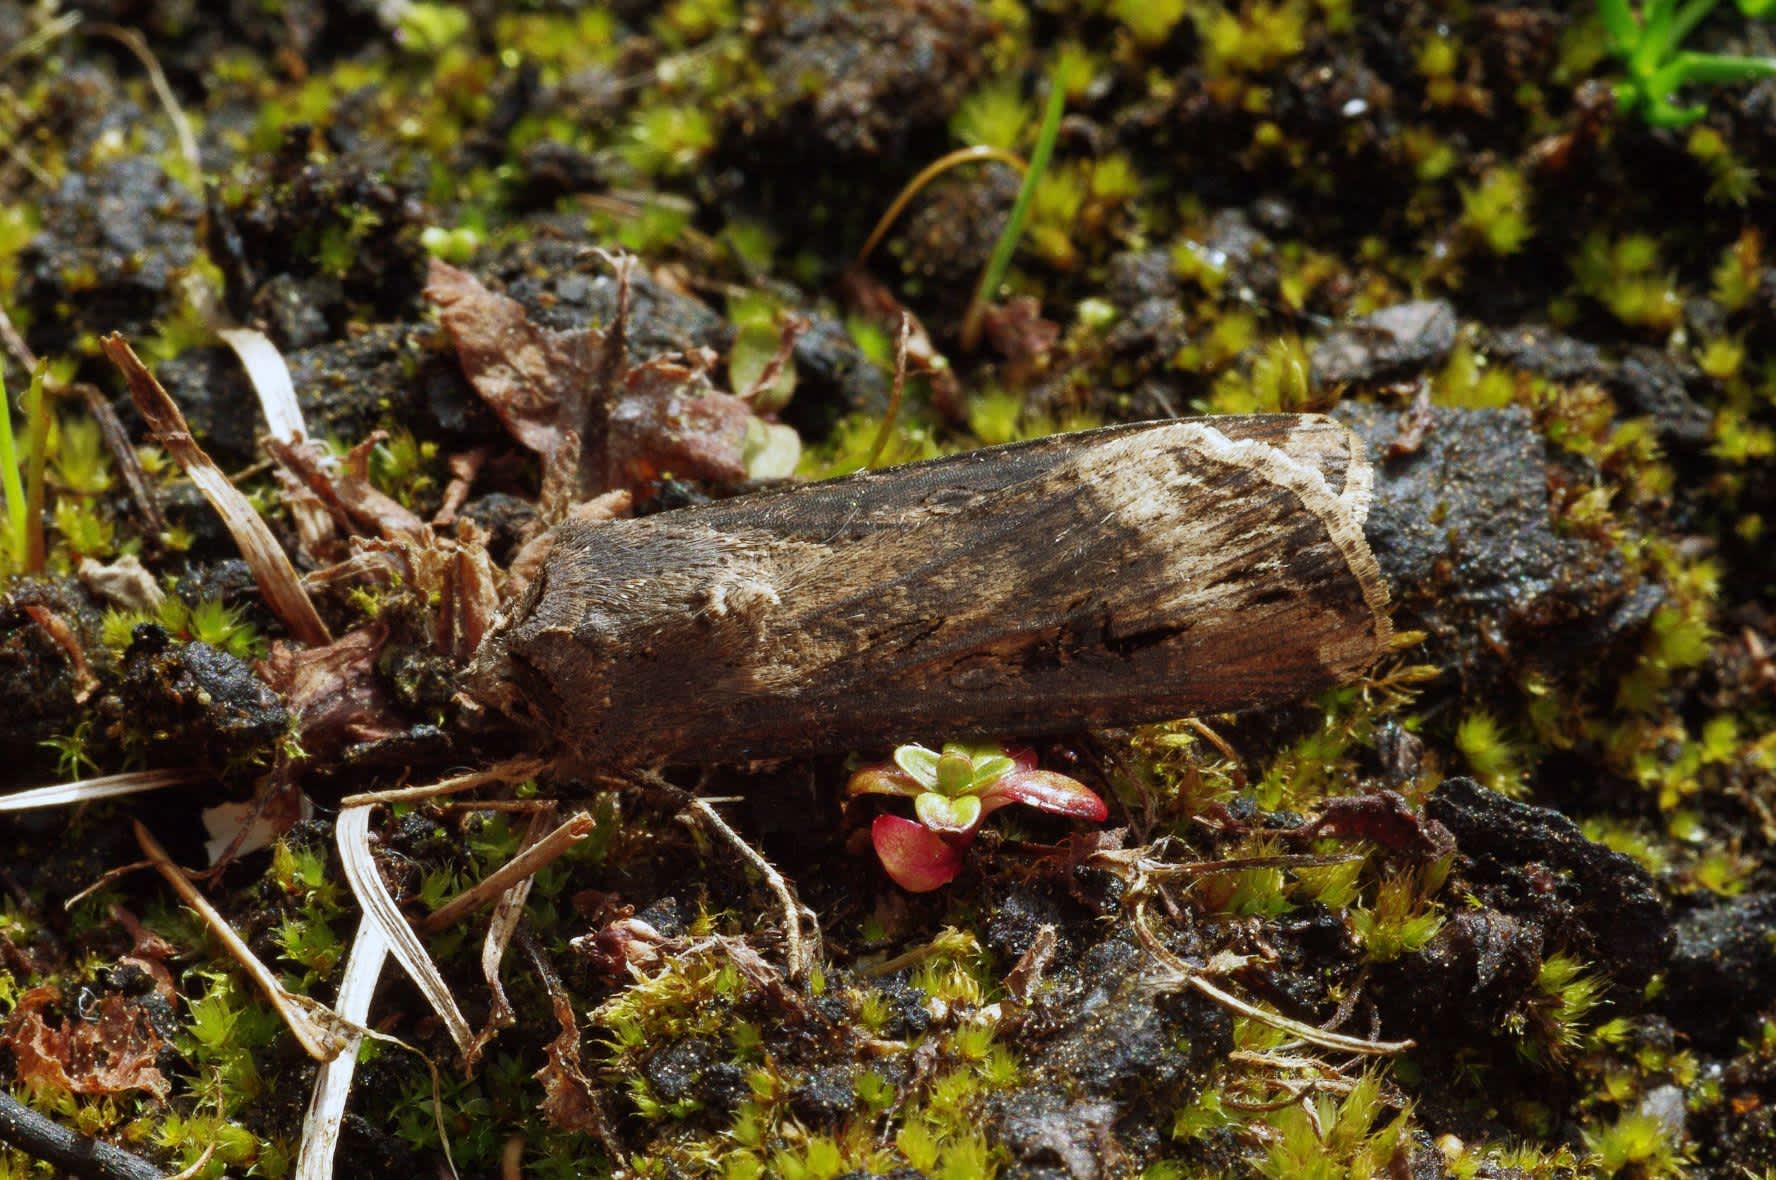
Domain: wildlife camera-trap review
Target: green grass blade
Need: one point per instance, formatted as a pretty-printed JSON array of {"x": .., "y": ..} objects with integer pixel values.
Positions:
[
  {"x": 1619, "y": 23},
  {"x": 1000, "y": 260},
  {"x": 37, "y": 424},
  {"x": 11, "y": 482},
  {"x": 1715, "y": 67}
]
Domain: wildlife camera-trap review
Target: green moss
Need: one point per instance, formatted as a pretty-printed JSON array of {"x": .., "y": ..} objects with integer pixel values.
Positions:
[
  {"x": 1626, "y": 276},
  {"x": 1562, "y": 1001},
  {"x": 206, "y": 621},
  {"x": 994, "y": 115},
  {"x": 1496, "y": 211},
  {"x": 1260, "y": 37},
  {"x": 1638, "y": 1145},
  {"x": 1401, "y": 918},
  {"x": 1277, "y": 379},
  {"x": 1740, "y": 270},
  {"x": 1149, "y": 22},
  {"x": 668, "y": 139},
  {"x": 1491, "y": 756}
]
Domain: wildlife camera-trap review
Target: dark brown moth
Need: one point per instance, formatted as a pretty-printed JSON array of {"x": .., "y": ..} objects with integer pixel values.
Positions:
[{"x": 1116, "y": 576}]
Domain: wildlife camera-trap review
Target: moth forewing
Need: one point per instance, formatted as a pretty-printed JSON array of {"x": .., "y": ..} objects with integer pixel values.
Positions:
[{"x": 1110, "y": 577}]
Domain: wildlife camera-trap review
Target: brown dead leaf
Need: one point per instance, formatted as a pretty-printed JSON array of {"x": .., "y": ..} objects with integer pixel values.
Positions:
[
  {"x": 346, "y": 490},
  {"x": 334, "y": 692},
  {"x": 597, "y": 423},
  {"x": 545, "y": 386},
  {"x": 667, "y": 420},
  {"x": 106, "y": 1048},
  {"x": 570, "y": 1102}
]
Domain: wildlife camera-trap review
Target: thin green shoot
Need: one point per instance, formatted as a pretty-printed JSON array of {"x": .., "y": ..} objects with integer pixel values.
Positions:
[
  {"x": 926, "y": 175},
  {"x": 1647, "y": 44},
  {"x": 37, "y": 423},
  {"x": 1000, "y": 260},
  {"x": 11, "y": 482}
]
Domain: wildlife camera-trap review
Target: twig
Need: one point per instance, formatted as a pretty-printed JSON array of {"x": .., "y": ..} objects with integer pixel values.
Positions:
[
  {"x": 319, "y": 1042},
  {"x": 925, "y": 176},
  {"x": 1307, "y": 1032},
  {"x": 520, "y": 868},
  {"x": 798, "y": 952},
  {"x": 132, "y": 41},
  {"x": 894, "y": 396},
  {"x": 69, "y": 1152},
  {"x": 123, "y": 454},
  {"x": 352, "y": 832},
  {"x": 500, "y": 929},
  {"x": 514, "y": 770}
]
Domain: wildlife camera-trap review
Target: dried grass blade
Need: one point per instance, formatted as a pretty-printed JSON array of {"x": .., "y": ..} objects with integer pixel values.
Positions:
[
  {"x": 317, "y": 1037},
  {"x": 271, "y": 568},
  {"x": 353, "y": 833},
  {"x": 520, "y": 868},
  {"x": 271, "y": 380},
  {"x": 89, "y": 790},
  {"x": 506, "y": 915},
  {"x": 326, "y": 1106}
]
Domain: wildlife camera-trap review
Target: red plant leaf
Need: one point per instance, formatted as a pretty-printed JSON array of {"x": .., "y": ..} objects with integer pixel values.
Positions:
[
  {"x": 1046, "y": 791},
  {"x": 917, "y": 858}
]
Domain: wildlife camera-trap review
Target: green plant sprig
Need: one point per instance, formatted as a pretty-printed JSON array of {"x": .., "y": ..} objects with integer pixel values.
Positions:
[
  {"x": 1647, "y": 43},
  {"x": 1000, "y": 260},
  {"x": 22, "y": 484}
]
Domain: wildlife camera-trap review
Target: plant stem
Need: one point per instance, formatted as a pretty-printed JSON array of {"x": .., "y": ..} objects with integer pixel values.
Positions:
[
  {"x": 926, "y": 175},
  {"x": 1000, "y": 260},
  {"x": 37, "y": 423},
  {"x": 11, "y": 482}
]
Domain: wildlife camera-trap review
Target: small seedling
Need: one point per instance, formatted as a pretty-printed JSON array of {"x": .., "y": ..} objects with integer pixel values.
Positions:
[
  {"x": 1647, "y": 43},
  {"x": 952, "y": 792}
]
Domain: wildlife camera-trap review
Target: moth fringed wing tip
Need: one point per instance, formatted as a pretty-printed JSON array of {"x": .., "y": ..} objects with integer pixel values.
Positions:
[{"x": 1114, "y": 576}]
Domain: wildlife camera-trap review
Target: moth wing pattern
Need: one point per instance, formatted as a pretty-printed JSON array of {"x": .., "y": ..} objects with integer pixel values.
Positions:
[{"x": 1115, "y": 576}]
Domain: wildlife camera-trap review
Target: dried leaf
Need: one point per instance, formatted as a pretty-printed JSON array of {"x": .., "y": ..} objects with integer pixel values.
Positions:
[
  {"x": 570, "y": 1102},
  {"x": 334, "y": 692},
  {"x": 270, "y": 378},
  {"x": 271, "y": 568},
  {"x": 667, "y": 420},
  {"x": 346, "y": 489},
  {"x": 541, "y": 384},
  {"x": 124, "y": 583},
  {"x": 596, "y": 423},
  {"x": 108, "y": 1048}
]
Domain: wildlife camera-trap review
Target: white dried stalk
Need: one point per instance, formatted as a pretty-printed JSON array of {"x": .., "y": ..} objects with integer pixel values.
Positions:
[
  {"x": 353, "y": 833},
  {"x": 271, "y": 380},
  {"x": 90, "y": 790},
  {"x": 326, "y": 1106}
]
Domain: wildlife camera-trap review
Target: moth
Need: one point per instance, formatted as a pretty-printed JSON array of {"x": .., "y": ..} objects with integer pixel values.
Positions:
[{"x": 1110, "y": 577}]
